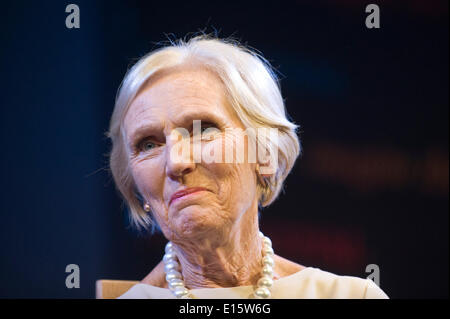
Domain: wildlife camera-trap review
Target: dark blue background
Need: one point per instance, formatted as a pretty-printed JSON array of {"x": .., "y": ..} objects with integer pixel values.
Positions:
[{"x": 377, "y": 97}]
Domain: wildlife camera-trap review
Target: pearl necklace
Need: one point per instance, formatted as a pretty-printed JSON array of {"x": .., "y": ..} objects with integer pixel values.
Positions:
[{"x": 176, "y": 284}]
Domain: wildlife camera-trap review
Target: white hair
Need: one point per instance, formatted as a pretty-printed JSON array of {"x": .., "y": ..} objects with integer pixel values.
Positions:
[{"x": 253, "y": 91}]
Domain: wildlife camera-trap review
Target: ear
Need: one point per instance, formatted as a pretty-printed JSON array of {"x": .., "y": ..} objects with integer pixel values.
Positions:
[{"x": 265, "y": 170}]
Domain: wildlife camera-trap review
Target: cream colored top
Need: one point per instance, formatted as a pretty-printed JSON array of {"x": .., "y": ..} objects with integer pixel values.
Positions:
[{"x": 309, "y": 283}]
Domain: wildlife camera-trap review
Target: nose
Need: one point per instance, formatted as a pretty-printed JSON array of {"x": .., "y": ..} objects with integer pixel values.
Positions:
[
  {"x": 177, "y": 170},
  {"x": 179, "y": 161}
]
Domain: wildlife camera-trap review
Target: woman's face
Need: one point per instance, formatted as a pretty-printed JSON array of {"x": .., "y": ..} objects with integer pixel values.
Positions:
[{"x": 222, "y": 192}]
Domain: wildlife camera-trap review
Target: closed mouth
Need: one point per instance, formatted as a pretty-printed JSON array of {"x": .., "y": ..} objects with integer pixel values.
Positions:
[{"x": 185, "y": 192}]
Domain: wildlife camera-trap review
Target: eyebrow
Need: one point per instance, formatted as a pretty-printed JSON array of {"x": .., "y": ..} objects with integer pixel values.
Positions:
[{"x": 206, "y": 116}]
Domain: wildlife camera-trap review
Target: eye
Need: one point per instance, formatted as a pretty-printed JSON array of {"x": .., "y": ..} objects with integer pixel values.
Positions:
[
  {"x": 207, "y": 125},
  {"x": 146, "y": 145},
  {"x": 208, "y": 131},
  {"x": 204, "y": 128}
]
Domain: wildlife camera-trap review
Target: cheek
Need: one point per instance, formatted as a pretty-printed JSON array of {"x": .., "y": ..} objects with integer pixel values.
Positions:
[
  {"x": 148, "y": 178},
  {"x": 229, "y": 147},
  {"x": 235, "y": 180}
]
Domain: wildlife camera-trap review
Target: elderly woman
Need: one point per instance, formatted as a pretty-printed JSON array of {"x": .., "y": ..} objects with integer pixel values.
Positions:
[{"x": 180, "y": 112}]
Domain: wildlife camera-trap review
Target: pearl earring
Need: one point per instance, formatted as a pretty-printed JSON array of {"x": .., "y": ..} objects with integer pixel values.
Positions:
[{"x": 147, "y": 207}]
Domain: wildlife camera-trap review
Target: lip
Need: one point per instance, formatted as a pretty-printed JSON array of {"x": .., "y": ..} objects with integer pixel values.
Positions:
[{"x": 186, "y": 191}]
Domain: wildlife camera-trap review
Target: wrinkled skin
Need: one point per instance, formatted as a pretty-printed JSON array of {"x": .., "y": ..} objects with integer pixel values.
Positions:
[{"x": 214, "y": 231}]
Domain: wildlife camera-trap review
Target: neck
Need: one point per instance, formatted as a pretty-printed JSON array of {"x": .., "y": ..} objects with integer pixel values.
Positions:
[{"x": 230, "y": 259}]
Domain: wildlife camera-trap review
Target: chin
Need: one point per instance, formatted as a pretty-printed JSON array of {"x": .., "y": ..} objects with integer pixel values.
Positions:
[{"x": 194, "y": 220}]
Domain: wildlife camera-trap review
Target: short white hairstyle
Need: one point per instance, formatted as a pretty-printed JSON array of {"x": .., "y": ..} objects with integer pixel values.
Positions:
[{"x": 252, "y": 89}]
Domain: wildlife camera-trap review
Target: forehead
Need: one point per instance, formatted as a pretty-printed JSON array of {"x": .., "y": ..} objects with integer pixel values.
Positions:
[{"x": 170, "y": 94}]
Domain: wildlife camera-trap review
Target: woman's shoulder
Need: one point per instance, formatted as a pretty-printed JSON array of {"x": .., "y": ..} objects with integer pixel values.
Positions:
[
  {"x": 156, "y": 277},
  {"x": 153, "y": 286},
  {"x": 315, "y": 283},
  {"x": 285, "y": 267}
]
